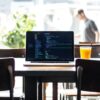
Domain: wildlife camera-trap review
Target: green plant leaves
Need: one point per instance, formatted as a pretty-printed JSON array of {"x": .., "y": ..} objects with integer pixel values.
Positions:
[{"x": 16, "y": 37}]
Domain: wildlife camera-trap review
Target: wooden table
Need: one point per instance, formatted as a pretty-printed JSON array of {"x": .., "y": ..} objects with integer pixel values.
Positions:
[{"x": 35, "y": 75}]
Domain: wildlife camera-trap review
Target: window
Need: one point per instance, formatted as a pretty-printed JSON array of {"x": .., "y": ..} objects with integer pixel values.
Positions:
[{"x": 48, "y": 15}]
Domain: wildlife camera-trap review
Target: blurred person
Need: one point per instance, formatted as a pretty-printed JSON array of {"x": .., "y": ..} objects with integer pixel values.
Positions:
[{"x": 88, "y": 29}]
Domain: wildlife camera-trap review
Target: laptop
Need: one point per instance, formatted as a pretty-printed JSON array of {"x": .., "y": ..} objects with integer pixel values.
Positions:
[{"x": 49, "y": 47}]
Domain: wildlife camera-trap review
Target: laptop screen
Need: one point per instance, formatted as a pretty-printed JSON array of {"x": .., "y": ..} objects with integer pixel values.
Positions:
[{"x": 49, "y": 46}]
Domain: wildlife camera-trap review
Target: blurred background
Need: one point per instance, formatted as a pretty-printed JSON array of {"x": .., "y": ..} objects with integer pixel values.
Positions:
[{"x": 19, "y": 16}]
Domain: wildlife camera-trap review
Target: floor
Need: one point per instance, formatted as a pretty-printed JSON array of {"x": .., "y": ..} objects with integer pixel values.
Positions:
[
  {"x": 49, "y": 94},
  {"x": 49, "y": 91}
]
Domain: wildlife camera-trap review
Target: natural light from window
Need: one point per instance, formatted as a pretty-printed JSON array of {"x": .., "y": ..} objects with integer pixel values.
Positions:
[{"x": 46, "y": 15}]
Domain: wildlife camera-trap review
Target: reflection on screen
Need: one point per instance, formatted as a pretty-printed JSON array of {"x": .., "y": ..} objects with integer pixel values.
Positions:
[{"x": 49, "y": 46}]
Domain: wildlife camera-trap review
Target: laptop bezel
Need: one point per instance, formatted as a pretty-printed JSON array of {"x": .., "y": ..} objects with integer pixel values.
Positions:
[{"x": 50, "y": 60}]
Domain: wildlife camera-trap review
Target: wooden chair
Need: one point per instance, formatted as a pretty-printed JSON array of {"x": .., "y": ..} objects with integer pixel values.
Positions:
[
  {"x": 88, "y": 80},
  {"x": 7, "y": 78}
]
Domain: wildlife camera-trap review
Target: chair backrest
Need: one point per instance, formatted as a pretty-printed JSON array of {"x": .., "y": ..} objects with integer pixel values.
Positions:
[
  {"x": 6, "y": 73},
  {"x": 90, "y": 79}
]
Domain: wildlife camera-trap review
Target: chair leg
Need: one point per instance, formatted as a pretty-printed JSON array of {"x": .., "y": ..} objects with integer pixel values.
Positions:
[
  {"x": 79, "y": 76},
  {"x": 11, "y": 95},
  {"x": 79, "y": 95},
  {"x": 61, "y": 97}
]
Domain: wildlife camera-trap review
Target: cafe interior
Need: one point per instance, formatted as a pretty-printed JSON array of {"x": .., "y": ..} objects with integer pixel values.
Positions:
[{"x": 35, "y": 31}]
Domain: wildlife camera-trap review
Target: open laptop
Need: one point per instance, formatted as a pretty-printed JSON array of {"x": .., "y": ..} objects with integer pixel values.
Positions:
[{"x": 49, "y": 47}]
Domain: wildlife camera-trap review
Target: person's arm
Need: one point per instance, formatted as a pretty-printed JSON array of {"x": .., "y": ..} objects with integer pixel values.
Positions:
[
  {"x": 96, "y": 36},
  {"x": 77, "y": 36},
  {"x": 95, "y": 29}
]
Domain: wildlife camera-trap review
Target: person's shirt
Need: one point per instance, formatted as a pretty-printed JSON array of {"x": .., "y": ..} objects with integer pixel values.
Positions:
[
  {"x": 81, "y": 31},
  {"x": 89, "y": 29}
]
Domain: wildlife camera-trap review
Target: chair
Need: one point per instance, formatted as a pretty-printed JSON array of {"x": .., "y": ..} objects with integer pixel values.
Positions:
[
  {"x": 88, "y": 79},
  {"x": 18, "y": 88},
  {"x": 88, "y": 76},
  {"x": 7, "y": 75}
]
